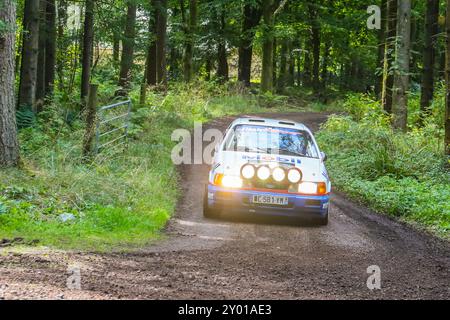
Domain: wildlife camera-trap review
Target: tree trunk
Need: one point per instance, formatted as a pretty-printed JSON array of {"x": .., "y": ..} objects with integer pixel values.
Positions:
[
  {"x": 50, "y": 50},
  {"x": 151, "y": 63},
  {"x": 275, "y": 62},
  {"x": 91, "y": 116},
  {"x": 381, "y": 47},
  {"x": 128, "y": 46},
  {"x": 402, "y": 61},
  {"x": 189, "y": 46},
  {"x": 18, "y": 56},
  {"x": 222, "y": 62},
  {"x": 74, "y": 60},
  {"x": 251, "y": 18},
  {"x": 291, "y": 65},
  {"x": 40, "y": 76},
  {"x": 151, "y": 50},
  {"x": 267, "y": 46},
  {"x": 161, "y": 27},
  {"x": 62, "y": 21},
  {"x": 343, "y": 75},
  {"x": 9, "y": 147},
  {"x": 283, "y": 70},
  {"x": 415, "y": 47},
  {"x": 354, "y": 66},
  {"x": 208, "y": 67},
  {"x": 388, "y": 77},
  {"x": 88, "y": 42},
  {"x": 287, "y": 65},
  {"x": 175, "y": 59},
  {"x": 429, "y": 54},
  {"x": 447, "y": 78},
  {"x": 28, "y": 70},
  {"x": 315, "y": 40},
  {"x": 116, "y": 46},
  {"x": 307, "y": 69},
  {"x": 324, "y": 72},
  {"x": 441, "y": 71}
]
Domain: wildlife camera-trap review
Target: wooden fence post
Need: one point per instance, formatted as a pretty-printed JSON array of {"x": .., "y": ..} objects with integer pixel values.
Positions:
[
  {"x": 143, "y": 95},
  {"x": 91, "y": 117}
]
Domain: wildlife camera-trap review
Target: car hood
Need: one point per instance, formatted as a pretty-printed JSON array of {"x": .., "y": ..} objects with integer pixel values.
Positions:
[{"x": 230, "y": 162}]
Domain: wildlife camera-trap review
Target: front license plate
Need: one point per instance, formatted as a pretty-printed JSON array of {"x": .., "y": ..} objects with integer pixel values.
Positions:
[{"x": 281, "y": 201}]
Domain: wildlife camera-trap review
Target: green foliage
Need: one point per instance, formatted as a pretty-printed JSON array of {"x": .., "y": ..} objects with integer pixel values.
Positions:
[
  {"x": 363, "y": 108},
  {"x": 124, "y": 197},
  {"x": 437, "y": 111},
  {"x": 396, "y": 173},
  {"x": 269, "y": 99},
  {"x": 25, "y": 118}
]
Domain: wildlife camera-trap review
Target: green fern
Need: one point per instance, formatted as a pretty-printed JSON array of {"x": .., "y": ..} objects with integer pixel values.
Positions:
[{"x": 25, "y": 118}]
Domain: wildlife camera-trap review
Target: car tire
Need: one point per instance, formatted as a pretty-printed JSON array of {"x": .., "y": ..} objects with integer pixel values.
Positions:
[
  {"x": 324, "y": 220},
  {"x": 207, "y": 211}
]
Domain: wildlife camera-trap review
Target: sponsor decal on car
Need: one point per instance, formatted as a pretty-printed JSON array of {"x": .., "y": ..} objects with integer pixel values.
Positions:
[{"x": 271, "y": 158}]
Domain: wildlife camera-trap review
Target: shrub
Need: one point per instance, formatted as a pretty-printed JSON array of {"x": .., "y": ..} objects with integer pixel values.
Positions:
[{"x": 397, "y": 173}]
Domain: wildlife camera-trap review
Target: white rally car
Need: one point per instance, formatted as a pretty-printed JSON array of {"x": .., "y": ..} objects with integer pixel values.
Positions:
[{"x": 268, "y": 167}]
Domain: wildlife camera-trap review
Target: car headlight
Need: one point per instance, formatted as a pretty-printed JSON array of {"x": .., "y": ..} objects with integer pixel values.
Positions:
[
  {"x": 317, "y": 188},
  {"x": 278, "y": 174},
  {"x": 231, "y": 182},
  {"x": 263, "y": 173},
  {"x": 227, "y": 181},
  {"x": 248, "y": 171},
  {"x": 294, "y": 175}
]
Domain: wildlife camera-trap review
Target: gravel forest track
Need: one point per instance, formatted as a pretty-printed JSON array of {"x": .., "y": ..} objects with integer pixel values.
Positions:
[{"x": 246, "y": 259}]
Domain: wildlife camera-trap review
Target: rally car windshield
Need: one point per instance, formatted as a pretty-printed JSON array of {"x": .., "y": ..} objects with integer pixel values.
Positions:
[{"x": 271, "y": 140}]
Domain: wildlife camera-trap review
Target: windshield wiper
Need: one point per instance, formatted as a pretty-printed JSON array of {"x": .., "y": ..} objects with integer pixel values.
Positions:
[
  {"x": 255, "y": 149},
  {"x": 293, "y": 153}
]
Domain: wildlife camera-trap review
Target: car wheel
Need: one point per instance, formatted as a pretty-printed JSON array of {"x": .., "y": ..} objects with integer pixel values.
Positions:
[
  {"x": 207, "y": 211},
  {"x": 324, "y": 220}
]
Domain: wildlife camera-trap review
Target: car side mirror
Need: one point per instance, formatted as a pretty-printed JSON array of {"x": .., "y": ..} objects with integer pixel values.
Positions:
[
  {"x": 323, "y": 156},
  {"x": 216, "y": 150}
]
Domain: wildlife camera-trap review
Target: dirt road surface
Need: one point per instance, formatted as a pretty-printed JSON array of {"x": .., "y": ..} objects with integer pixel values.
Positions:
[{"x": 245, "y": 259}]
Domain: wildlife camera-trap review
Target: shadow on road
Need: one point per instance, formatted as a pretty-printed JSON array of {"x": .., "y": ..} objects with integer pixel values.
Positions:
[{"x": 267, "y": 220}]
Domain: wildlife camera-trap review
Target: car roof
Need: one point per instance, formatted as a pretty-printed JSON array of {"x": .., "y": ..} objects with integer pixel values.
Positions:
[{"x": 270, "y": 123}]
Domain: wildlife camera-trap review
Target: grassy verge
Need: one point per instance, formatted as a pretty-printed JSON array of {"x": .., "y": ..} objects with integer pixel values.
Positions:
[
  {"x": 120, "y": 200},
  {"x": 401, "y": 174}
]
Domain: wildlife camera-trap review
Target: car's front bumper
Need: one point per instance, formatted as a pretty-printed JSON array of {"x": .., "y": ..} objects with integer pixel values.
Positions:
[{"x": 238, "y": 201}]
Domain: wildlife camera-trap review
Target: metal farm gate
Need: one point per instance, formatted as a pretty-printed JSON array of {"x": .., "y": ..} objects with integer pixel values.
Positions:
[{"x": 112, "y": 125}]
